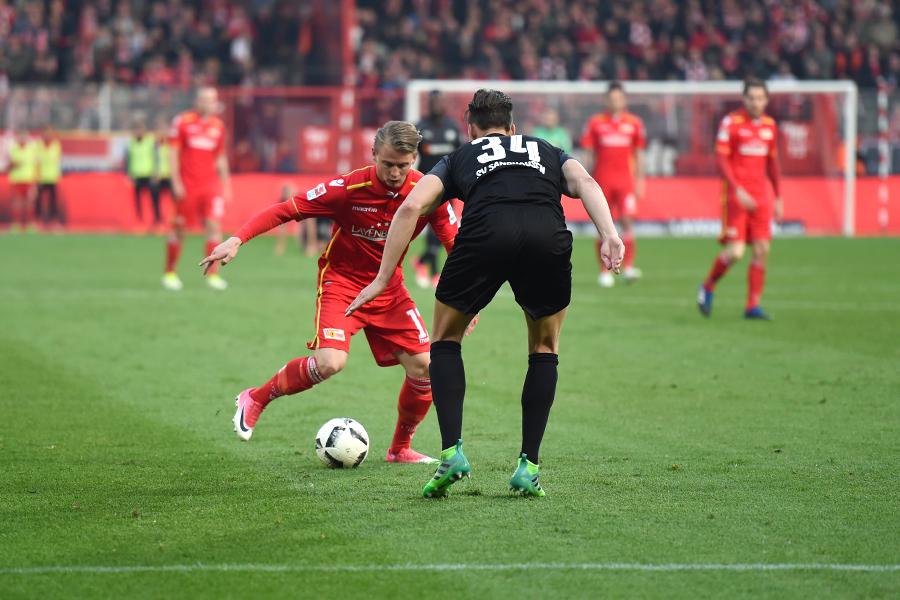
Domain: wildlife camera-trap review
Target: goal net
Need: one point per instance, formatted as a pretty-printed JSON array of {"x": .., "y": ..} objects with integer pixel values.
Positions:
[{"x": 817, "y": 124}]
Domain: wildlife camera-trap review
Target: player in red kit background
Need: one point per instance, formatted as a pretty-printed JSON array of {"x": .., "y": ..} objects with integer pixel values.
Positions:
[
  {"x": 617, "y": 139},
  {"x": 747, "y": 150},
  {"x": 362, "y": 204},
  {"x": 201, "y": 184}
]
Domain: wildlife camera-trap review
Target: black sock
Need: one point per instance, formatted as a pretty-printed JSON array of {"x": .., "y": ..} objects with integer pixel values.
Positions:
[
  {"x": 537, "y": 398},
  {"x": 448, "y": 388}
]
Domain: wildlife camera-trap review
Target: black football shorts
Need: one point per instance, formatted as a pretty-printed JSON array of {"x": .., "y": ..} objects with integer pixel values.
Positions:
[{"x": 528, "y": 246}]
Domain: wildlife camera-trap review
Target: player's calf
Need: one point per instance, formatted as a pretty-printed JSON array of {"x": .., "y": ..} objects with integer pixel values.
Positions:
[{"x": 296, "y": 376}]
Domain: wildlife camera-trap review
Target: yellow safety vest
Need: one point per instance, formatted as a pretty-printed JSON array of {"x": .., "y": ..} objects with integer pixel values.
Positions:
[
  {"x": 163, "y": 156},
  {"x": 141, "y": 156},
  {"x": 49, "y": 162},
  {"x": 23, "y": 160}
]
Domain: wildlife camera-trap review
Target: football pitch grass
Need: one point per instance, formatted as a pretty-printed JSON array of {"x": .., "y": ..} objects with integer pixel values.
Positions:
[{"x": 684, "y": 457}]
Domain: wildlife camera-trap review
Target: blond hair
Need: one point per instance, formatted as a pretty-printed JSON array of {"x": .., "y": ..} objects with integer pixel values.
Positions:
[{"x": 402, "y": 136}]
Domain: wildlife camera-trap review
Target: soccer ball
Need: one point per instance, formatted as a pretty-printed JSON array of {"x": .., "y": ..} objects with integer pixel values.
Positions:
[{"x": 342, "y": 443}]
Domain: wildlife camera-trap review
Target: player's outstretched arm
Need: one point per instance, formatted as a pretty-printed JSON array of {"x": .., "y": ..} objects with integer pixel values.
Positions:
[
  {"x": 582, "y": 185},
  {"x": 265, "y": 220},
  {"x": 422, "y": 200}
]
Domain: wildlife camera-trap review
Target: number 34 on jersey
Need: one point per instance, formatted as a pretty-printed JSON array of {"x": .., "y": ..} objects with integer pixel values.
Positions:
[{"x": 494, "y": 150}]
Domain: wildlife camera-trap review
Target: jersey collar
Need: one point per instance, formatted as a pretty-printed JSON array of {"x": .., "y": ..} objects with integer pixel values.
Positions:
[
  {"x": 743, "y": 112},
  {"x": 382, "y": 190}
]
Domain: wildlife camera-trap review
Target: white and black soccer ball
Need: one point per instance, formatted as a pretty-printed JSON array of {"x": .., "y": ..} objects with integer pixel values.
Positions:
[{"x": 342, "y": 443}]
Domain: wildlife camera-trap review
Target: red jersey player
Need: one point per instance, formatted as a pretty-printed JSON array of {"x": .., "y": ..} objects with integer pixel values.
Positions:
[
  {"x": 748, "y": 160},
  {"x": 200, "y": 181},
  {"x": 617, "y": 139},
  {"x": 362, "y": 204}
]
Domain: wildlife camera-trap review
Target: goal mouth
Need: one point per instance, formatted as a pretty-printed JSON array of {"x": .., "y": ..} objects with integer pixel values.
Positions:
[{"x": 817, "y": 124}]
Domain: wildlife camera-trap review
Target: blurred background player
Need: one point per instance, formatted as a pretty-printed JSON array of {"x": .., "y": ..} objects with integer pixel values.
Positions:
[
  {"x": 163, "y": 172},
  {"x": 362, "y": 204},
  {"x": 23, "y": 167},
  {"x": 747, "y": 150},
  {"x": 49, "y": 158},
  {"x": 200, "y": 182},
  {"x": 440, "y": 137},
  {"x": 617, "y": 139},
  {"x": 552, "y": 131},
  {"x": 141, "y": 165}
]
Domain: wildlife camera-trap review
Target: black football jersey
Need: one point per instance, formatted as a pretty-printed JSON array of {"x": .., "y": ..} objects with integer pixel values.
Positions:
[
  {"x": 504, "y": 169},
  {"x": 440, "y": 137}
]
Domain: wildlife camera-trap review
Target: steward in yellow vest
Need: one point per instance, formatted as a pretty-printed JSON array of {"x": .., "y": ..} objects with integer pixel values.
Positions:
[
  {"x": 49, "y": 159},
  {"x": 22, "y": 175},
  {"x": 141, "y": 162}
]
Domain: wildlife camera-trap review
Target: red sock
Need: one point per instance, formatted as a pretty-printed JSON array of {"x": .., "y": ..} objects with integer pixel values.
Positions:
[
  {"x": 630, "y": 249},
  {"x": 756, "y": 280},
  {"x": 719, "y": 268},
  {"x": 210, "y": 246},
  {"x": 298, "y": 375},
  {"x": 173, "y": 251},
  {"x": 600, "y": 257},
  {"x": 412, "y": 406}
]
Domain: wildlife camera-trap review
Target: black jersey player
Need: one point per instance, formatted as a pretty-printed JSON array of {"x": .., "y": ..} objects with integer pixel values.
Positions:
[
  {"x": 440, "y": 137},
  {"x": 513, "y": 229}
]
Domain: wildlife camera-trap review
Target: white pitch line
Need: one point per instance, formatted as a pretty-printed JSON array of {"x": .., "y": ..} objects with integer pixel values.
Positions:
[{"x": 439, "y": 567}]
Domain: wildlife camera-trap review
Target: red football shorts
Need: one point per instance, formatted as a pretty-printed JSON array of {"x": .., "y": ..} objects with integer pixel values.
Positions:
[
  {"x": 742, "y": 225},
  {"x": 21, "y": 190},
  {"x": 392, "y": 323},
  {"x": 621, "y": 199},
  {"x": 198, "y": 207}
]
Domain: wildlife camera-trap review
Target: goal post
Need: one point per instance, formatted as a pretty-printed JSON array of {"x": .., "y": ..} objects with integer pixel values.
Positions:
[{"x": 817, "y": 125}]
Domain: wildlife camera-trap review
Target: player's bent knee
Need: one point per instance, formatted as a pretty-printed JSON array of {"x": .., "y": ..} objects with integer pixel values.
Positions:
[
  {"x": 544, "y": 341},
  {"x": 330, "y": 365},
  {"x": 544, "y": 347},
  {"x": 735, "y": 253},
  {"x": 760, "y": 250},
  {"x": 419, "y": 369}
]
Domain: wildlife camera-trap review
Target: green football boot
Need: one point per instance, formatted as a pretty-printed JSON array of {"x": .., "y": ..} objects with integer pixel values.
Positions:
[
  {"x": 526, "y": 481},
  {"x": 454, "y": 466}
]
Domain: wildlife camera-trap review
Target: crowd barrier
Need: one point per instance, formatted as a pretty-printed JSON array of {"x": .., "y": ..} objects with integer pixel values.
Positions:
[{"x": 103, "y": 202}]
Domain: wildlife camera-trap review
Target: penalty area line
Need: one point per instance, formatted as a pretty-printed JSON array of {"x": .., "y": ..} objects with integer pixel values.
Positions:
[{"x": 439, "y": 567}]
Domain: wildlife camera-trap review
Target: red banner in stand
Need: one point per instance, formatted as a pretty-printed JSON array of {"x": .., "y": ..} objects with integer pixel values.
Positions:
[{"x": 104, "y": 201}]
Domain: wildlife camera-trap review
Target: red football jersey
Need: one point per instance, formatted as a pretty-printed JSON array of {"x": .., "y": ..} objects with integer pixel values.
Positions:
[
  {"x": 362, "y": 209},
  {"x": 614, "y": 142},
  {"x": 199, "y": 141},
  {"x": 749, "y": 144}
]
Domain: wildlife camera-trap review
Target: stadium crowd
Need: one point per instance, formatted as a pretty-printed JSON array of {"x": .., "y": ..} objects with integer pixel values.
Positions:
[
  {"x": 164, "y": 43},
  {"x": 638, "y": 39},
  {"x": 180, "y": 43}
]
